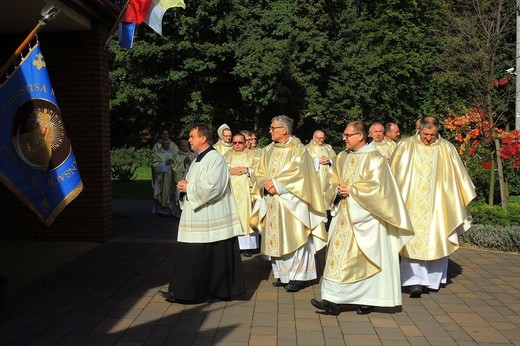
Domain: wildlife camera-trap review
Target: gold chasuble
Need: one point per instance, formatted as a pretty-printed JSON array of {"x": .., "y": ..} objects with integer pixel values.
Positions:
[
  {"x": 370, "y": 224},
  {"x": 163, "y": 183},
  {"x": 241, "y": 185},
  {"x": 222, "y": 147},
  {"x": 386, "y": 147},
  {"x": 316, "y": 152},
  {"x": 437, "y": 189},
  {"x": 288, "y": 219}
]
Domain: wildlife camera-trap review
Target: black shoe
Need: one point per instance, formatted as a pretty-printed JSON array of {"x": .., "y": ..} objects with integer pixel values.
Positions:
[
  {"x": 415, "y": 291},
  {"x": 295, "y": 286},
  {"x": 364, "y": 310},
  {"x": 279, "y": 283},
  {"x": 329, "y": 307},
  {"x": 248, "y": 254},
  {"x": 168, "y": 296}
]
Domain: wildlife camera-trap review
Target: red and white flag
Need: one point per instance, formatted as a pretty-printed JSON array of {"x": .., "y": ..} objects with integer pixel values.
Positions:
[{"x": 150, "y": 12}]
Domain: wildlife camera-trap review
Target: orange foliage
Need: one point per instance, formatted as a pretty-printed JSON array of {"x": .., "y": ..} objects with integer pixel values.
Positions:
[{"x": 473, "y": 130}]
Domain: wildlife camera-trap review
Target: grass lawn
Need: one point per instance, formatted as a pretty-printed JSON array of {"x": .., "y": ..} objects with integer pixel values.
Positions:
[
  {"x": 514, "y": 199},
  {"x": 140, "y": 188}
]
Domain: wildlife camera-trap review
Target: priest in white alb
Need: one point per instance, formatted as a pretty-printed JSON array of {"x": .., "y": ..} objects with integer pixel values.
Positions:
[
  {"x": 207, "y": 263},
  {"x": 437, "y": 190},
  {"x": 241, "y": 162},
  {"x": 369, "y": 227},
  {"x": 291, "y": 213}
]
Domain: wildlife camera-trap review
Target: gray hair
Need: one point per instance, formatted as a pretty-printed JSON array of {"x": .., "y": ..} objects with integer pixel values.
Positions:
[
  {"x": 284, "y": 121},
  {"x": 429, "y": 122}
]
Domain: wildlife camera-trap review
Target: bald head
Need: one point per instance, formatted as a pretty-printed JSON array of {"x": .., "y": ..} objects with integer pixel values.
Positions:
[
  {"x": 319, "y": 137},
  {"x": 392, "y": 131}
]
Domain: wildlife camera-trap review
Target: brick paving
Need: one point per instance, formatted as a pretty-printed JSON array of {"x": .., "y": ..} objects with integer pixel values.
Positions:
[{"x": 108, "y": 296}]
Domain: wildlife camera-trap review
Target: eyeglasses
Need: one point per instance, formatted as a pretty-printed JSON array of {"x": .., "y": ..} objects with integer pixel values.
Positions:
[
  {"x": 238, "y": 142},
  {"x": 348, "y": 135},
  {"x": 272, "y": 128}
]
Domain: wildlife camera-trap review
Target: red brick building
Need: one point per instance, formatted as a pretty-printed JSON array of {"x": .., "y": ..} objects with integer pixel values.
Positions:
[{"x": 73, "y": 45}]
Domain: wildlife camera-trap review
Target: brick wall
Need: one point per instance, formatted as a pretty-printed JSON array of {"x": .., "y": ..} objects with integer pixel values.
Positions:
[{"x": 78, "y": 69}]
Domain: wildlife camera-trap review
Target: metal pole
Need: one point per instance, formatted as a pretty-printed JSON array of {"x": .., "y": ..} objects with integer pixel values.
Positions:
[
  {"x": 47, "y": 15},
  {"x": 517, "y": 70}
]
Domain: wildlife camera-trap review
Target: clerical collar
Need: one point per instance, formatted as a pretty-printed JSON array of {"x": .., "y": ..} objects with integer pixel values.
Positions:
[
  {"x": 225, "y": 144},
  {"x": 367, "y": 147},
  {"x": 287, "y": 141},
  {"x": 201, "y": 155}
]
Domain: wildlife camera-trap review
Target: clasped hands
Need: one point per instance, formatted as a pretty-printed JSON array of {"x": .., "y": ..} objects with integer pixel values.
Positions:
[
  {"x": 270, "y": 188},
  {"x": 182, "y": 186},
  {"x": 239, "y": 170},
  {"x": 324, "y": 160},
  {"x": 343, "y": 190}
]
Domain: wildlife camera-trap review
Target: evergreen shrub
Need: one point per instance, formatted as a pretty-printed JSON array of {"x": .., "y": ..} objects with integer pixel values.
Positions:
[
  {"x": 493, "y": 228},
  {"x": 493, "y": 237},
  {"x": 484, "y": 214},
  {"x": 125, "y": 161}
]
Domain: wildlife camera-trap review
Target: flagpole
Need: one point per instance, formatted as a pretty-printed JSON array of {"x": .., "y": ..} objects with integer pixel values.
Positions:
[
  {"x": 114, "y": 27},
  {"x": 47, "y": 15}
]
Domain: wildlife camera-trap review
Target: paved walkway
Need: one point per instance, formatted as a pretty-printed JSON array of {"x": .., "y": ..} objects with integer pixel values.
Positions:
[{"x": 106, "y": 294}]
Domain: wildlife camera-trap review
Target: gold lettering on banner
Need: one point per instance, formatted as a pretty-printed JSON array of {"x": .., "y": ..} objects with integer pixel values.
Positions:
[
  {"x": 68, "y": 173},
  {"x": 13, "y": 99}
]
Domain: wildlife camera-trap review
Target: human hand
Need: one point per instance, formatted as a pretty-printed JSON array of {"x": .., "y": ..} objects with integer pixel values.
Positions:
[
  {"x": 270, "y": 188},
  {"x": 324, "y": 160},
  {"x": 182, "y": 186},
  {"x": 343, "y": 190}
]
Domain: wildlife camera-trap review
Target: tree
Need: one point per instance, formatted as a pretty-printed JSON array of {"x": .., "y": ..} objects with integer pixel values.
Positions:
[
  {"x": 479, "y": 50},
  {"x": 391, "y": 52},
  {"x": 323, "y": 63}
]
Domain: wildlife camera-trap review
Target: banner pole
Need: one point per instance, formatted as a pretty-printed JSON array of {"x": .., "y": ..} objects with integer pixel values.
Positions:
[
  {"x": 46, "y": 16},
  {"x": 114, "y": 27}
]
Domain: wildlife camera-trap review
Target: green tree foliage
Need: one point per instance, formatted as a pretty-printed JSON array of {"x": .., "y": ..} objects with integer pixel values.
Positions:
[
  {"x": 391, "y": 52},
  {"x": 479, "y": 46},
  {"x": 321, "y": 62}
]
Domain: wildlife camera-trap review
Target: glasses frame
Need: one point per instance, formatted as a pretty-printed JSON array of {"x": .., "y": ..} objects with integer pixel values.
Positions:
[
  {"x": 272, "y": 128},
  {"x": 348, "y": 135},
  {"x": 235, "y": 143}
]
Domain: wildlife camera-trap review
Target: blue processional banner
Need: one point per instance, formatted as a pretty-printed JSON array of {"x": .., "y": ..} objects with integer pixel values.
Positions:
[{"x": 36, "y": 159}]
